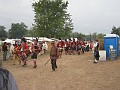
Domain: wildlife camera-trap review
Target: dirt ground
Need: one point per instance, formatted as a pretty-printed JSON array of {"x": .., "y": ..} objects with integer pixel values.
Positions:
[{"x": 75, "y": 72}]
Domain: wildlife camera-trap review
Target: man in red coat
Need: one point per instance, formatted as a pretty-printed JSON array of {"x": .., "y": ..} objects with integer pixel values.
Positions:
[
  {"x": 60, "y": 46},
  {"x": 24, "y": 51},
  {"x": 66, "y": 46}
]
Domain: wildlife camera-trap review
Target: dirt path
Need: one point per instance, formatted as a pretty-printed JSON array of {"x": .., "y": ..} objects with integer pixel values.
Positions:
[{"x": 75, "y": 72}]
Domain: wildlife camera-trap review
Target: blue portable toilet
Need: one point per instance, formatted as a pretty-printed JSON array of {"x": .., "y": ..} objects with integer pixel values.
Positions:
[{"x": 111, "y": 39}]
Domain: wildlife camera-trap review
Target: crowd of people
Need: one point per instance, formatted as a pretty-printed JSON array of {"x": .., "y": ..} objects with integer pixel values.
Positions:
[
  {"x": 74, "y": 46},
  {"x": 22, "y": 50}
]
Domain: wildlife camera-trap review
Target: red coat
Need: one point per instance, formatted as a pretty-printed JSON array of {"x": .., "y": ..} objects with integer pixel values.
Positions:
[
  {"x": 60, "y": 44},
  {"x": 66, "y": 44},
  {"x": 74, "y": 44}
]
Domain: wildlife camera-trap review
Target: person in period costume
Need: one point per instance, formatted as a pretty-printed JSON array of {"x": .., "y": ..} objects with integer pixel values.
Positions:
[
  {"x": 66, "y": 46},
  {"x": 70, "y": 47},
  {"x": 15, "y": 54},
  {"x": 79, "y": 47},
  {"x": 83, "y": 47},
  {"x": 24, "y": 52},
  {"x": 54, "y": 53},
  {"x": 96, "y": 51},
  {"x": 74, "y": 45},
  {"x": 11, "y": 50},
  {"x": 60, "y": 46},
  {"x": 35, "y": 51},
  {"x": 4, "y": 49}
]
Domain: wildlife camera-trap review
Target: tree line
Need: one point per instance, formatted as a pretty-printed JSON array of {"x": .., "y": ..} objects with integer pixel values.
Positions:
[{"x": 19, "y": 30}]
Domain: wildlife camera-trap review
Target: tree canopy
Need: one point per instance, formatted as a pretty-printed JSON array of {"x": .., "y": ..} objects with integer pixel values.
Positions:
[
  {"x": 52, "y": 18},
  {"x": 18, "y": 30},
  {"x": 115, "y": 30},
  {"x": 3, "y": 33}
]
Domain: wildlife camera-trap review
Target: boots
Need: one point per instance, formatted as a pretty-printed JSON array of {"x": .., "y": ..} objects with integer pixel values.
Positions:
[{"x": 35, "y": 66}]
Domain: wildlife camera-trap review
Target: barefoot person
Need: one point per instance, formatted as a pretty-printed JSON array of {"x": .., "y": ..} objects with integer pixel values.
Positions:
[{"x": 53, "y": 56}]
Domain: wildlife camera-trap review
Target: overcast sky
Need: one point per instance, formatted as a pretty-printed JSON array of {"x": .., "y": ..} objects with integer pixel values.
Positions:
[{"x": 88, "y": 16}]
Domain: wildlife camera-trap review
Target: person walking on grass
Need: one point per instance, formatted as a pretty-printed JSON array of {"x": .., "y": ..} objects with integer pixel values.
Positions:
[{"x": 54, "y": 54}]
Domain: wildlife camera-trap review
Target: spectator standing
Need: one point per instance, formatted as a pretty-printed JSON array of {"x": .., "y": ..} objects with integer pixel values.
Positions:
[{"x": 4, "y": 49}]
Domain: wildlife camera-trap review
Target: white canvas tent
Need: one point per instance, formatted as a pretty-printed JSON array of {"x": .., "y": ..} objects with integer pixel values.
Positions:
[
  {"x": 40, "y": 39},
  {"x": 45, "y": 39},
  {"x": 9, "y": 41}
]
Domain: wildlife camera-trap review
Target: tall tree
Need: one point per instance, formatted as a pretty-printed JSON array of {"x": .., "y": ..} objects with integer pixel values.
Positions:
[
  {"x": 100, "y": 36},
  {"x": 115, "y": 30},
  {"x": 3, "y": 33},
  {"x": 31, "y": 32},
  {"x": 18, "y": 30},
  {"x": 52, "y": 19},
  {"x": 77, "y": 35},
  {"x": 94, "y": 36}
]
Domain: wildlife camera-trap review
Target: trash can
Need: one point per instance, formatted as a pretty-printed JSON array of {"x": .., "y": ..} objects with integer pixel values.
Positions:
[{"x": 113, "y": 55}]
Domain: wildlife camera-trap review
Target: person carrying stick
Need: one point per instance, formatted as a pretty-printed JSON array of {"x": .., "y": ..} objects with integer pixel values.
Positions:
[{"x": 54, "y": 54}]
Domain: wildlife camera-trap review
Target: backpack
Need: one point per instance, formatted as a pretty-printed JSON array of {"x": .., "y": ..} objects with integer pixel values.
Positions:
[{"x": 4, "y": 74}]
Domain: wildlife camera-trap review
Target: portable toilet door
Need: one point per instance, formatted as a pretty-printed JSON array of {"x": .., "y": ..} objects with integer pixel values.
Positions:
[
  {"x": 119, "y": 45},
  {"x": 111, "y": 39}
]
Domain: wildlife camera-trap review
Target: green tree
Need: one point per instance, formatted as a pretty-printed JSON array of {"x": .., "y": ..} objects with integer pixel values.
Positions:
[
  {"x": 115, "y": 30},
  {"x": 18, "y": 30},
  {"x": 52, "y": 19},
  {"x": 94, "y": 36},
  {"x": 3, "y": 33},
  {"x": 100, "y": 36},
  {"x": 31, "y": 32},
  {"x": 81, "y": 36},
  {"x": 77, "y": 35}
]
